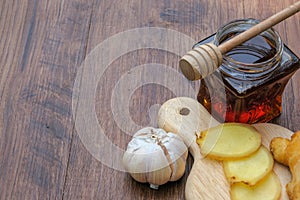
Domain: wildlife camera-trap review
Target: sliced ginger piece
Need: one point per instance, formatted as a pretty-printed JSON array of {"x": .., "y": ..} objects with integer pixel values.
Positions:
[
  {"x": 251, "y": 169},
  {"x": 229, "y": 141},
  {"x": 268, "y": 188}
]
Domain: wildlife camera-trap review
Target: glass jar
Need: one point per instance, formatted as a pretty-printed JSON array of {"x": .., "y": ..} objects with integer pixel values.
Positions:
[{"x": 248, "y": 86}]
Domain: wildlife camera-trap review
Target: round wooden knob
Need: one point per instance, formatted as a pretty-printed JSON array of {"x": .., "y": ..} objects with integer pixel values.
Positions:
[{"x": 201, "y": 61}]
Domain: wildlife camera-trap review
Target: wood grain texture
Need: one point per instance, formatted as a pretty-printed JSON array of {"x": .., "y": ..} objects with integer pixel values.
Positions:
[
  {"x": 43, "y": 43},
  {"x": 42, "y": 46}
]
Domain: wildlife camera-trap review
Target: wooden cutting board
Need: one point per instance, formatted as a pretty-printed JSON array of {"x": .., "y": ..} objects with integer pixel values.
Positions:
[{"x": 186, "y": 117}]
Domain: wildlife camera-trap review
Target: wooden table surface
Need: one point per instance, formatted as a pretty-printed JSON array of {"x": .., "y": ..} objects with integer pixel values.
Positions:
[{"x": 45, "y": 149}]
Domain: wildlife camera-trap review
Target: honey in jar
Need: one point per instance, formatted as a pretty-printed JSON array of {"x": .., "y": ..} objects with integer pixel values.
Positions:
[{"x": 249, "y": 84}]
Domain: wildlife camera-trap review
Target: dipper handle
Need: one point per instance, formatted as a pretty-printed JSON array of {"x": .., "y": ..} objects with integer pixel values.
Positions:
[
  {"x": 205, "y": 59},
  {"x": 259, "y": 28}
]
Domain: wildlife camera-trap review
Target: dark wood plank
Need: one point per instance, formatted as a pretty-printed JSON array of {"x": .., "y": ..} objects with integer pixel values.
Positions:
[
  {"x": 42, "y": 44},
  {"x": 90, "y": 178}
]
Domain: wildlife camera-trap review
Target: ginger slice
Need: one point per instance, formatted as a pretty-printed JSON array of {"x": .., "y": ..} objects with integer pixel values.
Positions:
[
  {"x": 268, "y": 188},
  {"x": 229, "y": 141},
  {"x": 251, "y": 169}
]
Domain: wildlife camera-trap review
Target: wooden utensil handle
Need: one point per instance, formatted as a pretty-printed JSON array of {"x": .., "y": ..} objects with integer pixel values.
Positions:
[{"x": 257, "y": 29}]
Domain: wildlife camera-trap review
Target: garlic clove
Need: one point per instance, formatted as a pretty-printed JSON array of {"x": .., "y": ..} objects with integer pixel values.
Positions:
[
  {"x": 178, "y": 168},
  {"x": 145, "y": 158},
  {"x": 159, "y": 177}
]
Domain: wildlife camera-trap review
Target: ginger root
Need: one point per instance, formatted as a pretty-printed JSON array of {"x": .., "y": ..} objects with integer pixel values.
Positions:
[{"x": 287, "y": 152}]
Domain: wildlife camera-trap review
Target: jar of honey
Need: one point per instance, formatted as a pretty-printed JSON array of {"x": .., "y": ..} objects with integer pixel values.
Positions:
[{"x": 248, "y": 86}]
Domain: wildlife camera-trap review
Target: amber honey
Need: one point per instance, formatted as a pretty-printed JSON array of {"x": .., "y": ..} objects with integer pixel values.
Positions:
[{"x": 248, "y": 86}]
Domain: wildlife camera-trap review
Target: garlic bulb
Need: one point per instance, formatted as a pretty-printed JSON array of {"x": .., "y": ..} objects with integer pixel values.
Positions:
[{"x": 155, "y": 156}]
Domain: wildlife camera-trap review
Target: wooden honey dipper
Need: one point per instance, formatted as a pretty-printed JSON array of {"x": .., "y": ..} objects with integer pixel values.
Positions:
[{"x": 205, "y": 59}]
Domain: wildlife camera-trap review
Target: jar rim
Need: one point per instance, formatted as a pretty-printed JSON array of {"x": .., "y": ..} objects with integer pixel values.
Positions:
[{"x": 250, "y": 22}]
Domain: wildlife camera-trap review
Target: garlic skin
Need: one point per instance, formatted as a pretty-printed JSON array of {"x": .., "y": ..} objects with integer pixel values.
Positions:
[{"x": 155, "y": 156}]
